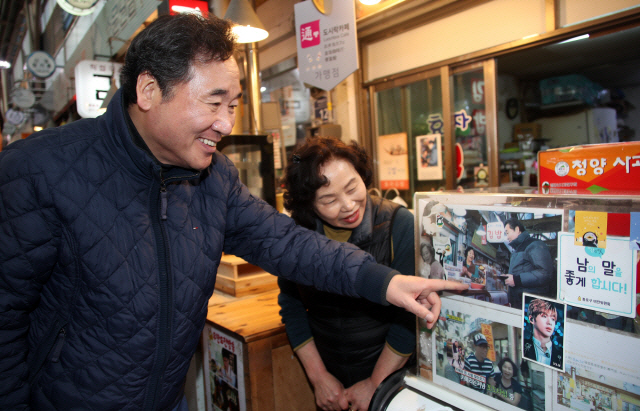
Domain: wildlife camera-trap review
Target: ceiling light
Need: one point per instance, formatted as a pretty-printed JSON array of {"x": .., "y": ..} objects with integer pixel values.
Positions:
[
  {"x": 248, "y": 28},
  {"x": 369, "y": 2},
  {"x": 4, "y": 64}
]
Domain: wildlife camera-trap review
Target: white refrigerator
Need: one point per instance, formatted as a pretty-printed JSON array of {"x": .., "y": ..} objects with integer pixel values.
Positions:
[{"x": 591, "y": 126}]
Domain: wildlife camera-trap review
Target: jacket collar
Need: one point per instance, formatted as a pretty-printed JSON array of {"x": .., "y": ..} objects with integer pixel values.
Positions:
[
  {"x": 522, "y": 238},
  {"x": 136, "y": 156}
]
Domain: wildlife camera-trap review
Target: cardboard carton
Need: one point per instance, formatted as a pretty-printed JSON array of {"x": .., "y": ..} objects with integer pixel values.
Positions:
[{"x": 612, "y": 168}]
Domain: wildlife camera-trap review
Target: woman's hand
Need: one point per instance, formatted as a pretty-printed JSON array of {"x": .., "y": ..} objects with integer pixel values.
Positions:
[
  {"x": 329, "y": 392},
  {"x": 359, "y": 395}
]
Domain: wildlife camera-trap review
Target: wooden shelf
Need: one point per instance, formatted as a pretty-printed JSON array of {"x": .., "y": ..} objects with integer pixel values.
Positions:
[{"x": 239, "y": 278}]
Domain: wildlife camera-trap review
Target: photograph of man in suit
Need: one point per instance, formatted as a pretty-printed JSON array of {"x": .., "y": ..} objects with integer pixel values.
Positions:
[{"x": 531, "y": 267}]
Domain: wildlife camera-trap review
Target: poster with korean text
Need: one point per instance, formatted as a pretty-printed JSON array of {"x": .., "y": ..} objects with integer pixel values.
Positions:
[
  {"x": 393, "y": 161},
  {"x": 602, "y": 279},
  {"x": 224, "y": 371}
]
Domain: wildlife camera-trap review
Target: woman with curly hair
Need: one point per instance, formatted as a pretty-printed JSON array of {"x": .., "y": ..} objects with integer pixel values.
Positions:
[
  {"x": 469, "y": 268},
  {"x": 505, "y": 385},
  {"x": 346, "y": 345}
]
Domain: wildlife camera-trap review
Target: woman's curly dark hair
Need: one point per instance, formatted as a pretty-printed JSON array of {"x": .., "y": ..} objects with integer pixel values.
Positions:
[{"x": 303, "y": 177}]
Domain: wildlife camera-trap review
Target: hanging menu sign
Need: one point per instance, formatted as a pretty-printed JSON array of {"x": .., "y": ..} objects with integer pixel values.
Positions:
[{"x": 327, "y": 44}]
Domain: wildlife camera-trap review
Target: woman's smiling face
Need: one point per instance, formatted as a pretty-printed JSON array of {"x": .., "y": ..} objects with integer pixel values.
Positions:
[
  {"x": 471, "y": 256},
  {"x": 507, "y": 370},
  {"x": 342, "y": 201}
]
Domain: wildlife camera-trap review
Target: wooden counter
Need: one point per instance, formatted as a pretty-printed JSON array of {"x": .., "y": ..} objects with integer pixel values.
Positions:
[{"x": 274, "y": 378}]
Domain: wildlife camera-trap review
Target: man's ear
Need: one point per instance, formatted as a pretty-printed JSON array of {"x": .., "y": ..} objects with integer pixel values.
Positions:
[{"x": 147, "y": 91}]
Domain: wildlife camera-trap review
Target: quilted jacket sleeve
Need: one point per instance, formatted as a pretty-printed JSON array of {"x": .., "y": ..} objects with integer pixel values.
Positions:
[
  {"x": 294, "y": 314},
  {"x": 27, "y": 254},
  {"x": 401, "y": 336},
  {"x": 261, "y": 235}
]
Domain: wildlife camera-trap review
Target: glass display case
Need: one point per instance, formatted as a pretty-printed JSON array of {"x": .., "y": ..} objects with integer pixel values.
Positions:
[
  {"x": 574, "y": 256},
  {"x": 253, "y": 157}
]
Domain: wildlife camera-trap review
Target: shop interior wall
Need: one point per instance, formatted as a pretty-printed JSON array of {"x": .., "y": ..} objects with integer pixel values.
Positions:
[
  {"x": 489, "y": 24},
  {"x": 572, "y": 12},
  {"x": 510, "y": 86},
  {"x": 507, "y": 89},
  {"x": 633, "y": 121}
]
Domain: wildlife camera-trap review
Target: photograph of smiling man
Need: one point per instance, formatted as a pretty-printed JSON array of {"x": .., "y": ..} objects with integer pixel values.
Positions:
[{"x": 543, "y": 324}]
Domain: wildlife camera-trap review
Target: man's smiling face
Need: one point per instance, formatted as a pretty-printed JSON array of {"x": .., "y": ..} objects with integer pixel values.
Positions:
[{"x": 184, "y": 130}]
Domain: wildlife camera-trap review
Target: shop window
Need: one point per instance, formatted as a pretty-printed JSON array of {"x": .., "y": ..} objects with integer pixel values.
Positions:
[
  {"x": 414, "y": 111},
  {"x": 470, "y": 124}
]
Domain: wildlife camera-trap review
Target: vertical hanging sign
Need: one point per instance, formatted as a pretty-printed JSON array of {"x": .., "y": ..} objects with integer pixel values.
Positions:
[{"x": 327, "y": 44}]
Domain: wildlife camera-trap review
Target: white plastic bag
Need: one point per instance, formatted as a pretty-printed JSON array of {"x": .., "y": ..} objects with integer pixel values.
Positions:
[{"x": 396, "y": 199}]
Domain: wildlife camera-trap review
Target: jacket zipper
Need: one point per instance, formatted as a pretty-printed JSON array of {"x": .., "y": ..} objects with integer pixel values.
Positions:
[
  {"x": 163, "y": 201},
  {"x": 57, "y": 348},
  {"x": 158, "y": 216}
]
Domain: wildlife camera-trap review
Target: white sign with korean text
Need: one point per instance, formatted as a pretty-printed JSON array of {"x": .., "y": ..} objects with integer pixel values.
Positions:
[
  {"x": 93, "y": 81},
  {"x": 597, "y": 278},
  {"x": 327, "y": 44},
  {"x": 495, "y": 232}
]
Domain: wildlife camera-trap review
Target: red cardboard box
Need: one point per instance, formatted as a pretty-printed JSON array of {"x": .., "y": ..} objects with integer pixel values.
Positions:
[{"x": 612, "y": 168}]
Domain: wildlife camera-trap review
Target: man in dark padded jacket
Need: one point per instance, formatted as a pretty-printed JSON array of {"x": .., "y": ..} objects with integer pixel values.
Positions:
[{"x": 111, "y": 232}]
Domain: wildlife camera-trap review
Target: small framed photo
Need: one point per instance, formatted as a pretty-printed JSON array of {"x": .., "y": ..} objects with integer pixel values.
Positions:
[{"x": 543, "y": 325}]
